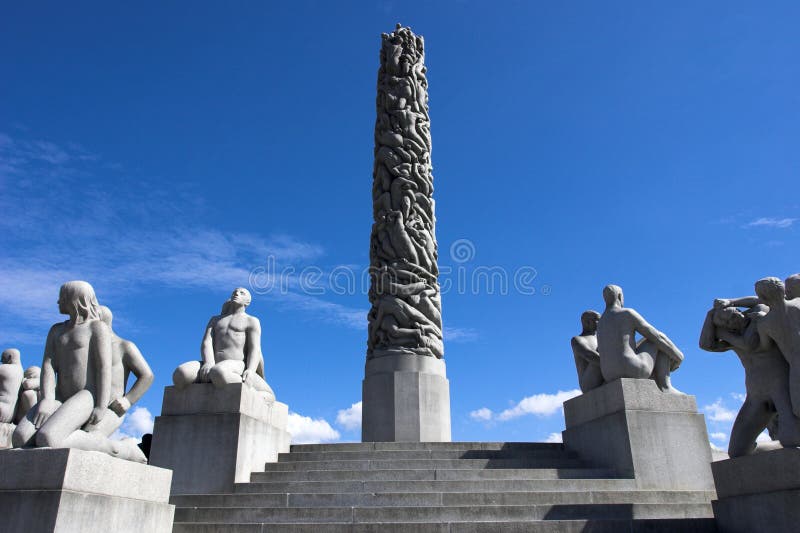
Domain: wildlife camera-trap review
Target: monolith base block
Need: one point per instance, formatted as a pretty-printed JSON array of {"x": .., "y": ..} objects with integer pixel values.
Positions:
[
  {"x": 69, "y": 491},
  {"x": 406, "y": 398},
  {"x": 214, "y": 437},
  {"x": 759, "y": 492},
  {"x": 629, "y": 425}
]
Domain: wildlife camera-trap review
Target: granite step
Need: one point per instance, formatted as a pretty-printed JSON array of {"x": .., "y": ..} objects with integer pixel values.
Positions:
[
  {"x": 415, "y": 446},
  {"x": 350, "y": 455},
  {"x": 448, "y": 499},
  {"x": 411, "y": 464},
  {"x": 474, "y": 513},
  {"x": 691, "y": 525},
  {"x": 485, "y": 485},
  {"x": 448, "y": 474}
]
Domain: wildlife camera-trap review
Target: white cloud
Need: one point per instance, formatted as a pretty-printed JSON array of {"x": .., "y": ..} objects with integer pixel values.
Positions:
[
  {"x": 772, "y": 222},
  {"x": 484, "y": 414},
  {"x": 539, "y": 404},
  {"x": 135, "y": 423},
  {"x": 350, "y": 418},
  {"x": 717, "y": 412},
  {"x": 306, "y": 430},
  {"x": 715, "y": 447},
  {"x": 763, "y": 437},
  {"x": 719, "y": 436},
  {"x": 738, "y": 396},
  {"x": 553, "y": 437}
]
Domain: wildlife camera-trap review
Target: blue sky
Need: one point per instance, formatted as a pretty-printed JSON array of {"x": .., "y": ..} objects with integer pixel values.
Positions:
[{"x": 164, "y": 152}]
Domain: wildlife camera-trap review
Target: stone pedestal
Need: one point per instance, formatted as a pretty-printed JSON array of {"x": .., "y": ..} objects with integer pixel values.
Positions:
[
  {"x": 406, "y": 398},
  {"x": 68, "y": 491},
  {"x": 214, "y": 437},
  {"x": 759, "y": 492},
  {"x": 629, "y": 425}
]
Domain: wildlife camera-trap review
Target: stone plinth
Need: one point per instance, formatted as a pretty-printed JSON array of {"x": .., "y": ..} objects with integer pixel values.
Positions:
[
  {"x": 214, "y": 437},
  {"x": 68, "y": 491},
  {"x": 406, "y": 399},
  {"x": 659, "y": 439},
  {"x": 759, "y": 492}
]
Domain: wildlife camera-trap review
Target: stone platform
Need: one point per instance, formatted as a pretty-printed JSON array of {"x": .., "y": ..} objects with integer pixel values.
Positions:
[
  {"x": 214, "y": 437},
  {"x": 70, "y": 491},
  {"x": 759, "y": 492},
  {"x": 406, "y": 398},
  {"x": 629, "y": 425},
  {"x": 441, "y": 487}
]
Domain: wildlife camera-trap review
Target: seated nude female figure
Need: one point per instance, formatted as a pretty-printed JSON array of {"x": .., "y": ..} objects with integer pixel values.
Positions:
[
  {"x": 231, "y": 350},
  {"x": 75, "y": 381}
]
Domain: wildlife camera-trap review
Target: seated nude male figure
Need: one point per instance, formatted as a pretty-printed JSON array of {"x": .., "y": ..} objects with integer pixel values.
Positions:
[
  {"x": 584, "y": 349},
  {"x": 126, "y": 359},
  {"x": 621, "y": 356},
  {"x": 75, "y": 380},
  {"x": 231, "y": 350},
  {"x": 766, "y": 379}
]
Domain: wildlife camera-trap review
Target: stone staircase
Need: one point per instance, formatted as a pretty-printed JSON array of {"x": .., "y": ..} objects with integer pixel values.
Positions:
[{"x": 440, "y": 487}]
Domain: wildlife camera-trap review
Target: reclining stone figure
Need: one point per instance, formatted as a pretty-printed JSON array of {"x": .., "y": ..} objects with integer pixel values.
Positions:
[
  {"x": 584, "y": 349},
  {"x": 231, "y": 350},
  {"x": 621, "y": 356},
  {"x": 76, "y": 382},
  {"x": 766, "y": 378}
]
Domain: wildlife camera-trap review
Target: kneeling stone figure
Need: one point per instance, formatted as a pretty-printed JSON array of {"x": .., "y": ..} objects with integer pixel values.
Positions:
[{"x": 231, "y": 350}]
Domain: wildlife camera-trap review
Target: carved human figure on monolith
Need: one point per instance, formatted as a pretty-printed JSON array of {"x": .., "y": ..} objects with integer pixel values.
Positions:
[
  {"x": 231, "y": 350},
  {"x": 404, "y": 293},
  {"x": 76, "y": 381},
  {"x": 584, "y": 350},
  {"x": 621, "y": 356},
  {"x": 766, "y": 378},
  {"x": 11, "y": 376}
]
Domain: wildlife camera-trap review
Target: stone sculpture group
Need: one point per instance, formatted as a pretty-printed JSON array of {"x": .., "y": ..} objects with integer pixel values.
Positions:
[
  {"x": 763, "y": 330},
  {"x": 607, "y": 348}
]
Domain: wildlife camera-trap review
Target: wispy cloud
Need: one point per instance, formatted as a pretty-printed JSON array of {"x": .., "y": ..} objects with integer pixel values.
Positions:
[
  {"x": 460, "y": 334},
  {"x": 135, "y": 424},
  {"x": 554, "y": 437},
  {"x": 60, "y": 222},
  {"x": 772, "y": 222},
  {"x": 718, "y": 436}
]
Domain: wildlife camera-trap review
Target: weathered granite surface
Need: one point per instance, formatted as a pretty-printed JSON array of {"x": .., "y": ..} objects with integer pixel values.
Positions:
[
  {"x": 631, "y": 426},
  {"x": 69, "y": 491},
  {"x": 212, "y": 437}
]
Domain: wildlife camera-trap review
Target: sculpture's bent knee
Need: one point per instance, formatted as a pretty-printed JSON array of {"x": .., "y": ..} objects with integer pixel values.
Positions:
[{"x": 186, "y": 374}]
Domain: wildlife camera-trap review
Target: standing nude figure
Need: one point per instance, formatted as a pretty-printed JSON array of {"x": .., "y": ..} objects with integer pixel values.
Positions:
[
  {"x": 75, "y": 380},
  {"x": 621, "y": 356},
  {"x": 781, "y": 327},
  {"x": 766, "y": 378},
  {"x": 11, "y": 377},
  {"x": 584, "y": 349},
  {"x": 231, "y": 350}
]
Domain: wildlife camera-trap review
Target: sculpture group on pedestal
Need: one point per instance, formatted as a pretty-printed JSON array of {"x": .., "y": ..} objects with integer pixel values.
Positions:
[
  {"x": 607, "y": 349},
  {"x": 82, "y": 385},
  {"x": 764, "y": 331}
]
